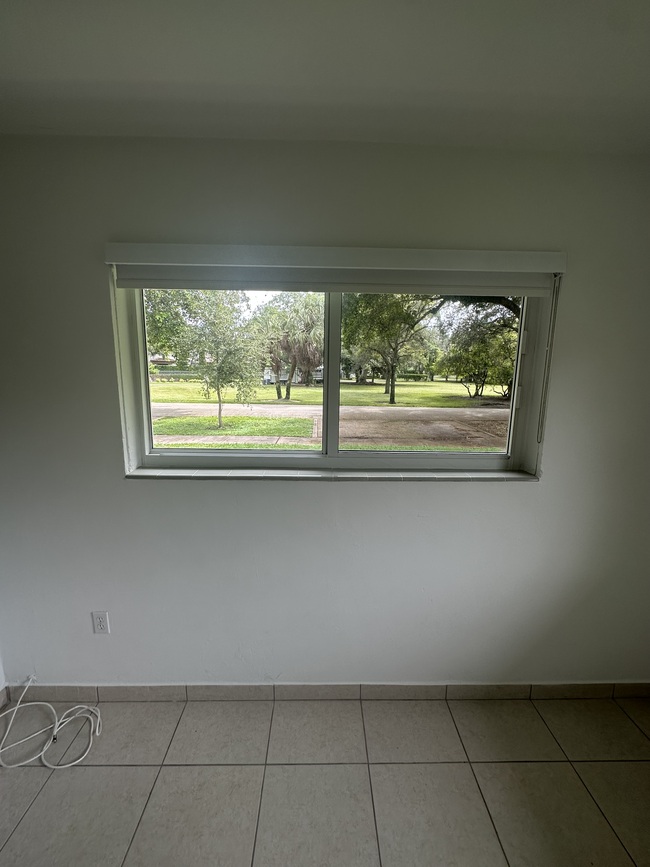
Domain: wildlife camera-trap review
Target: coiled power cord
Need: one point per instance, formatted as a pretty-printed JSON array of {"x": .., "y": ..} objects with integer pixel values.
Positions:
[{"x": 81, "y": 711}]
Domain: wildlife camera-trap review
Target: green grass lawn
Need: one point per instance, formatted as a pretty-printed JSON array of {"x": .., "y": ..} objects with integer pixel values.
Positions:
[
  {"x": 441, "y": 394},
  {"x": 253, "y": 446},
  {"x": 243, "y": 426}
]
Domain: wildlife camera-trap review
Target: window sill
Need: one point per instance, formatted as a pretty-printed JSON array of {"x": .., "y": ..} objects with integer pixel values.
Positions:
[{"x": 334, "y": 475}]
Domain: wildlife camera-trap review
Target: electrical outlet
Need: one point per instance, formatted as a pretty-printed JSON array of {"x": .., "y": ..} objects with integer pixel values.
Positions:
[{"x": 101, "y": 626}]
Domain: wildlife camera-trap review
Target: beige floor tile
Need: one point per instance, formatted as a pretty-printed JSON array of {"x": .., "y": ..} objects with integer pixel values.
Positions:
[
  {"x": 639, "y": 710},
  {"x": 316, "y": 691},
  {"x": 594, "y": 730},
  {"x": 31, "y": 719},
  {"x": 487, "y": 692},
  {"x": 230, "y": 692},
  {"x": 49, "y": 693},
  {"x": 82, "y": 817},
  {"x": 133, "y": 733},
  {"x": 317, "y": 731},
  {"x": 174, "y": 692},
  {"x": 504, "y": 731},
  {"x": 18, "y": 788},
  {"x": 572, "y": 690},
  {"x": 411, "y": 692},
  {"x": 411, "y": 731},
  {"x": 632, "y": 690},
  {"x": 432, "y": 816},
  {"x": 622, "y": 791},
  {"x": 316, "y": 816},
  {"x": 546, "y": 818},
  {"x": 199, "y": 817},
  {"x": 222, "y": 732}
]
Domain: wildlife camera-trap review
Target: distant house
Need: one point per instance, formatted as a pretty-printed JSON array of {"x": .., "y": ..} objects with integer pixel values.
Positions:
[{"x": 268, "y": 377}]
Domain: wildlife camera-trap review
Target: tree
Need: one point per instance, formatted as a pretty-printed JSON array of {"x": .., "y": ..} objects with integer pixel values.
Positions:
[
  {"x": 303, "y": 335},
  {"x": 423, "y": 354},
  {"x": 290, "y": 327},
  {"x": 269, "y": 327},
  {"x": 482, "y": 346},
  {"x": 388, "y": 325},
  {"x": 359, "y": 361},
  {"x": 212, "y": 330},
  {"x": 166, "y": 313}
]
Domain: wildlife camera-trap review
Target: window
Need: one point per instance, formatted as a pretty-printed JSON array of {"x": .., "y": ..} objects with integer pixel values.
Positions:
[{"x": 307, "y": 362}]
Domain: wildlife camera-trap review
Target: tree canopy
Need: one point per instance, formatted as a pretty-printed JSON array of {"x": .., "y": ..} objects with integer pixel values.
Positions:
[
  {"x": 217, "y": 335},
  {"x": 212, "y": 331},
  {"x": 481, "y": 346}
]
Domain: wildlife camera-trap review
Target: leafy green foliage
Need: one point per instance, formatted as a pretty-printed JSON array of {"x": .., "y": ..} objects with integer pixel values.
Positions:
[
  {"x": 482, "y": 349},
  {"x": 211, "y": 330},
  {"x": 214, "y": 336},
  {"x": 390, "y": 327}
]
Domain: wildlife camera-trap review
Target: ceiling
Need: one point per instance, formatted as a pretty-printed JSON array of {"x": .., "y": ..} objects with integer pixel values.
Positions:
[{"x": 550, "y": 74}]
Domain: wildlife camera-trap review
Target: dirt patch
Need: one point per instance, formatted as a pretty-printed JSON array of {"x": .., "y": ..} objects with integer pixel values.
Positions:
[{"x": 493, "y": 428}]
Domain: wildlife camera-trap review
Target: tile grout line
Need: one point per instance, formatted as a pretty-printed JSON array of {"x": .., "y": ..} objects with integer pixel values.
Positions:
[
  {"x": 584, "y": 785},
  {"x": 27, "y": 809},
  {"x": 550, "y": 731},
  {"x": 266, "y": 759},
  {"x": 635, "y": 723},
  {"x": 74, "y": 740},
  {"x": 146, "y": 803},
  {"x": 29, "y": 806},
  {"x": 372, "y": 794},
  {"x": 600, "y": 810},
  {"x": 471, "y": 767}
]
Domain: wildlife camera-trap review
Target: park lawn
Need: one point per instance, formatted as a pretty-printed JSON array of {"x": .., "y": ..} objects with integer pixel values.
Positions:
[
  {"x": 440, "y": 394},
  {"x": 244, "y": 426}
]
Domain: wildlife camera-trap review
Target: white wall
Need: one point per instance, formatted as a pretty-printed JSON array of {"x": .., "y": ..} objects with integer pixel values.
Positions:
[{"x": 320, "y": 582}]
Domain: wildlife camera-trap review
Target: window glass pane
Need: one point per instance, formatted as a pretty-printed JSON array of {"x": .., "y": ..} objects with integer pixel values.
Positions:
[
  {"x": 427, "y": 373},
  {"x": 235, "y": 369}
]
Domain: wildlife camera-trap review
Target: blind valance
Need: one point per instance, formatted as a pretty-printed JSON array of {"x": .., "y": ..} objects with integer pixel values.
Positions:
[{"x": 334, "y": 269}]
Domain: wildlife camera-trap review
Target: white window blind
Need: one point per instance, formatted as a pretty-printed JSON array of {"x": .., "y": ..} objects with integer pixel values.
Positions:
[{"x": 334, "y": 269}]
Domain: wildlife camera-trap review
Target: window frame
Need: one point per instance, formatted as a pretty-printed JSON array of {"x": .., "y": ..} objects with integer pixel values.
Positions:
[{"x": 530, "y": 388}]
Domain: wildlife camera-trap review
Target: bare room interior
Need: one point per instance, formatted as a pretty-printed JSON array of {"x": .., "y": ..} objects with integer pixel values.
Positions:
[{"x": 292, "y": 600}]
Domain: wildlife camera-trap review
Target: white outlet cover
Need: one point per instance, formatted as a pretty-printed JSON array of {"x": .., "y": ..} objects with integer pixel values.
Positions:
[{"x": 101, "y": 625}]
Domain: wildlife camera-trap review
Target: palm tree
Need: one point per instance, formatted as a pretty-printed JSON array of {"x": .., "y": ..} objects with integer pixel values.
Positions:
[
  {"x": 303, "y": 336},
  {"x": 269, "y": 326}
]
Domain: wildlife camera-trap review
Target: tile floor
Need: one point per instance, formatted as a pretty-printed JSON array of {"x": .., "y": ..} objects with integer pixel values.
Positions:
[{"x": 323, "y": 783}]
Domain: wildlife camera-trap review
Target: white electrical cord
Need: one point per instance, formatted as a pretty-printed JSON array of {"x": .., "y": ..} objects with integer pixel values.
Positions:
[{"x": 91, "y": 714}]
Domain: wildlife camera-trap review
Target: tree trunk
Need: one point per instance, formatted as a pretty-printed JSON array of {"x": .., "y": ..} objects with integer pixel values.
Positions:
[
  {"x": 219, "y": 399},
  {"x": 287, "y": 394},
  {"x": 393, "y": 377},
  {"x": 276, "y": 367}
]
